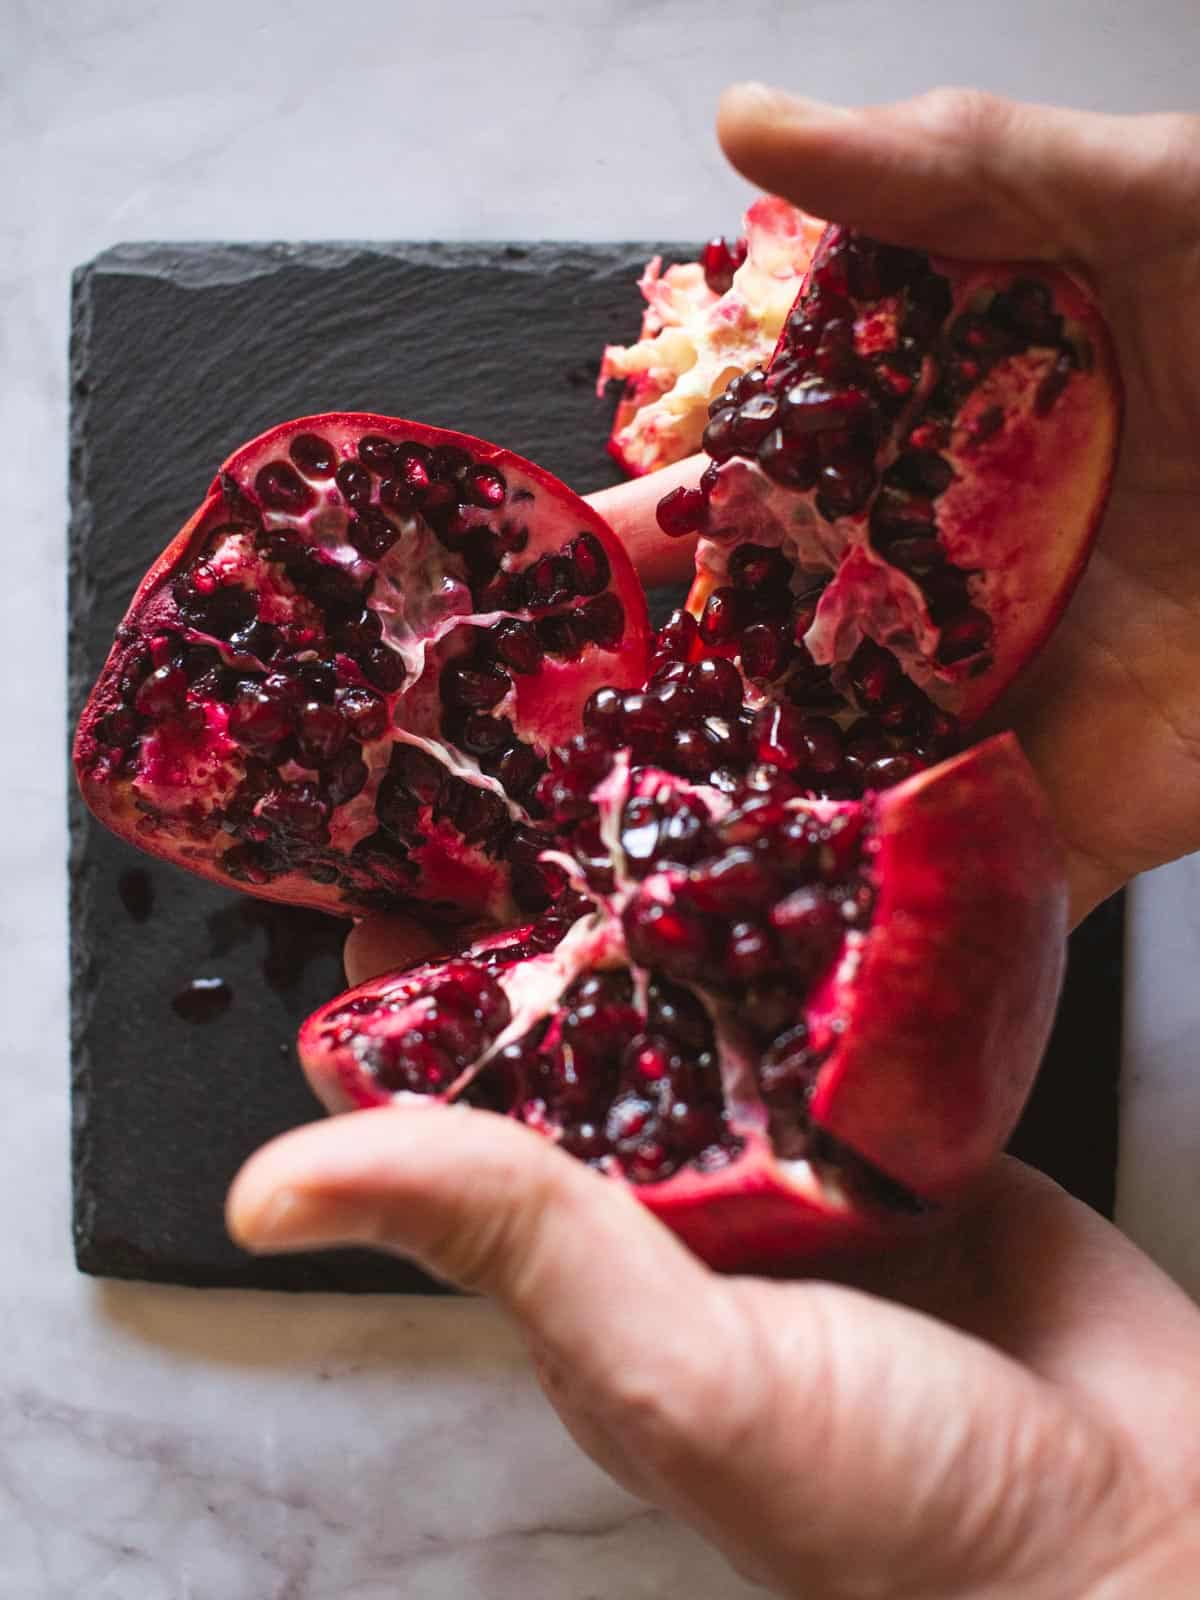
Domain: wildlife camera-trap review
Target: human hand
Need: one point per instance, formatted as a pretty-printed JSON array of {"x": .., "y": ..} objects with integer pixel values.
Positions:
[
  {"x": 1109, "y": 712},
  {"x": 1022, "y": 1419}
]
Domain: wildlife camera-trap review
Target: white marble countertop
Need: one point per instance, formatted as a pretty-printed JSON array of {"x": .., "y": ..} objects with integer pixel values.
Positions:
[{"x": 163, "y": 1444}]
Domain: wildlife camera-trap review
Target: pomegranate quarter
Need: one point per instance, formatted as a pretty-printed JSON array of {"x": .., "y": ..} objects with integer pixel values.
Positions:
[{"x": 779, "y": 955}]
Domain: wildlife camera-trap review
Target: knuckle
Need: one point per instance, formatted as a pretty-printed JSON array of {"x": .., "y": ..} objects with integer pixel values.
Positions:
[{"x": 962, "y": 116}]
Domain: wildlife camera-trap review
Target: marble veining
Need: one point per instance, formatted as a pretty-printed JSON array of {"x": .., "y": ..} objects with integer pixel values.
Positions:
[{"x": 161, "y": 1444}]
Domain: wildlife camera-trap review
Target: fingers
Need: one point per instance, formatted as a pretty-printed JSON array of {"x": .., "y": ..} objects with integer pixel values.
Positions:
[
  {"x": 387, "y": 943},
  {"x": 629, "y": 509},
  {"x": 963, "y": 172}
]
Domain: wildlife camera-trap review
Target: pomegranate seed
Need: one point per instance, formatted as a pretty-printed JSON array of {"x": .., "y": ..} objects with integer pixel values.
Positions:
[
  {"x": 259, "y": 717},
  {"x": 281, "y": 488},
  {"x": 739, "y": 880},
  {"x": 809, "y": 923},
  {"x": 320, "y": 732},
  {"x": 844, "y": 487},
  {"x": 674, "y": 694},
  {"x": 788, "y": 461},
  {"x": 765, "y": 651},
  {"x": 965, "y": 636},
  {"x": 716, "y": 687},
  {"x": 750, "y": 383},
  {"x": 591, "y": 566},
  {"x": 875, "y": 674},
  {"x": 384, "y": 667},
  {"x": 893, "y": 768},
  {"x": 517, "y": 646},
  {"x": 362, "y": 632},
  {"x": 759, "y": 566},
  {"x": 355, "y": 483},
  {"x": 667, "y": 937},
  {"x": 916, "y": 556},
  {"x": 708, "y": 479},
  {"x": 603, "y": 621},
  {"x": 650, "y": 1058},
  {"x": 780, "y": 739},
  {"x": 719, "y": 439},
  {"x": 519, "y": 769},
  {"x": 723, "y": 617},
  {"x": 749, "y": 952},
  {"x": 720, "y": 259},
  {"x": 344, "y": 776},
  {"x": 604, "y": 715},
  {"x": 448, "y": 461},
  {"x": 485, "y": 736},
  {"x": 681, "y": 512},
  {"x": 562, "y": 635},
  {"x": 372, "y": 534},
  {"x": 422, "y": 774},
  {"x": 480, "y": 687},
  {"x": 755, "y": 419},
  {"x": 296, "y": 808},
  {"x": 678, "y": 635},
  {"x": 484, "y": 486},
  {"x": 315, "y": 456},
  {"x": 163, "y": 692},
  {"x": 549, "y": 581},
  {"x": 691, "y": 752},
  {"x": 646, "y": 725},
  {"x": 813, "y": 407},
  {"x": 376, "y": 452},
  {"x": 410, "y": 1063},
  {"x": 1052, "y": 386},
  {"x": 924, "y": 471}
]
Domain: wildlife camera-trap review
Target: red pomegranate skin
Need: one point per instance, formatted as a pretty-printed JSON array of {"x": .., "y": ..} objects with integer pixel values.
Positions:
[{"x": 160, "y": 764}]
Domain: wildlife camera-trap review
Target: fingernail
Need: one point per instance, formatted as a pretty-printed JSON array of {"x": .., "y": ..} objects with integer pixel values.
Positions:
[{"x": 293, "y": 1219}]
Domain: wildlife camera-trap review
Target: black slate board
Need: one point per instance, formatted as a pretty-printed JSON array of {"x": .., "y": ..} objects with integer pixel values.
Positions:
[{"x": 179, "y": 353}]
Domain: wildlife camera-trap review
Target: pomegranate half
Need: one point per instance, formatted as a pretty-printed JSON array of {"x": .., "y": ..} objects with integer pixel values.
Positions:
[
  {"x": 788, "y": 1024},
  {"x": 340, "y": 683},
  {"x": 898, "y": 507}
]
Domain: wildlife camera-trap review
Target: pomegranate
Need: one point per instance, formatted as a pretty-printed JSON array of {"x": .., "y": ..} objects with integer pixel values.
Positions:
[
  {"x": 340, "y": 683},
  {"x": 898, "y": 505},
  {"x": 705, "y": 323},
  {"x": 789, "y": 1024}
]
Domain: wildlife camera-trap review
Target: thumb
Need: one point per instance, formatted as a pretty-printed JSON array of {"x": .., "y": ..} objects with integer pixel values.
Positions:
[
  {"x": 594, "y": 1281},
  {"x": 963, "y": 172}
]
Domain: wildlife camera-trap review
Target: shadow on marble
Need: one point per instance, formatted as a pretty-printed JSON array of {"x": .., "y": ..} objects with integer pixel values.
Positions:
[{"x": 249, "y": 1330}]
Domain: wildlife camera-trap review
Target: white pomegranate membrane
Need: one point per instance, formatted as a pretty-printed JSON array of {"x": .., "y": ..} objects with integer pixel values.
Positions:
[{"x": 705, "y": 322}]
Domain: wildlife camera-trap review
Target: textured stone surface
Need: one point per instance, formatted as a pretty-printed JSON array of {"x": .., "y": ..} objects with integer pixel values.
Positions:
[{"x": 179, "y": 354}]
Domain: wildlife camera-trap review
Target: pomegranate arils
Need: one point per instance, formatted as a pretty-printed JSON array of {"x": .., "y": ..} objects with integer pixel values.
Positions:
[
  {"x": 315, "y": 456},
  {"x": 682, "y": 511},
  {"x": 516, "y": 644},
  {"x": 603, "y": 621},
  {"x": 355, "y": 483},
  {"x": 372, "y": 533},
  {"x": 481, "y": 688},
  {"x": 720, "y": 259},
  {"x": 281, "y": 488},
  {"x": 376, "y": 452}
]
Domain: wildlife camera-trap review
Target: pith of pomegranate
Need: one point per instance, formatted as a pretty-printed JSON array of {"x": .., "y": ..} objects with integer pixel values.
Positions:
[
  {"x": 787, "y": 1024},
  {"x": 339, "y": 684},
  {"x": 705, "y": 323},
  {"x": 899, "y": 504}
]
